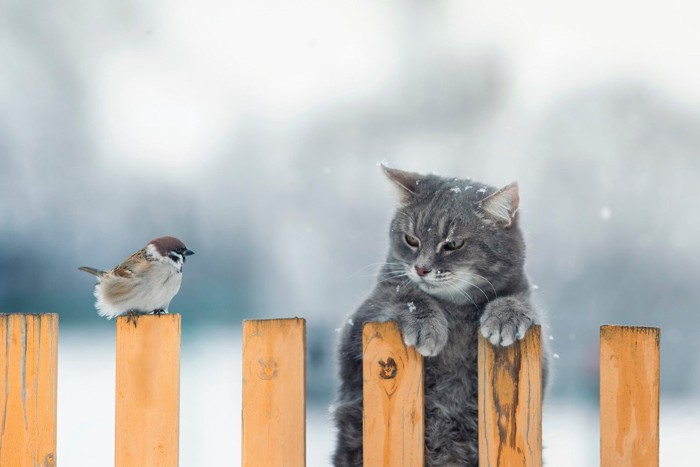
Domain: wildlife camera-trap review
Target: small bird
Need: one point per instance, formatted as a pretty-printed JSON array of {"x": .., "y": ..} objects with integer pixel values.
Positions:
[{"x": 145, "y": 282}]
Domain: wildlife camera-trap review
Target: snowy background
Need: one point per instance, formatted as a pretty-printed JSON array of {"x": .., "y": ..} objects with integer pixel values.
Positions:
[{"x": 252, "y": 131}]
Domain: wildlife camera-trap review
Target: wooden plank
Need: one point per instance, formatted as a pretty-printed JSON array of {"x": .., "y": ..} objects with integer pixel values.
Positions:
[
  {"x": 393, "y": 429},
  {"x": 274, "y": 393},
  {"x": 510, "y": 402},
  {"x": 148, "y": 391},
  {"x": 629, "y": 396},
  {"x": 28, "y": 358}
]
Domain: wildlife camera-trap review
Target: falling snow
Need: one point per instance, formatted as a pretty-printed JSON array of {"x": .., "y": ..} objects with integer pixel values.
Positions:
[
  {"x": 481, "y": 190},
  {"x": 411, "y": 307},
  {"x": 468, "y": 187},
  {"x": 455, "y": 189},
  {"x": 351, "y": 322},
  {"x": 605, "y": 213},
  {"x": 535, "y": 286},
  {"x": 555, "y": 356},
  {"x": 338, "y": 330}
]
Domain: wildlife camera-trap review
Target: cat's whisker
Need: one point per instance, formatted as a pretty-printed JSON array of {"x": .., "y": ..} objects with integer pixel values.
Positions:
[
  {"x": 392, "y": 277},
  {"x": 377, "y": 266},
  {"x": 382, "y": 271},
  {"x": 487, "y": 281},
  {"x": 394, "y": 270},
  {"x": 453, "y": 288},
  {"x": 465, "y": 294},
  {"x": 473, "y": 285},
  {"x": 450, "y": 289}
]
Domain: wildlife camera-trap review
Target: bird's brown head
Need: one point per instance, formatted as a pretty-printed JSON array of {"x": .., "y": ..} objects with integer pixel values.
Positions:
[{"x": 172, "y": 248}]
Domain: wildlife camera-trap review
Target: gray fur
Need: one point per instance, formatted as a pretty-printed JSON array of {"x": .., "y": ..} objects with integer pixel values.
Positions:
[{"x": 480, "y": 287}]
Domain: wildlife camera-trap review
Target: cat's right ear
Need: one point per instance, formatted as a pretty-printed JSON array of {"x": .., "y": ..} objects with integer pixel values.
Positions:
[{"x": 404, "y": 183}]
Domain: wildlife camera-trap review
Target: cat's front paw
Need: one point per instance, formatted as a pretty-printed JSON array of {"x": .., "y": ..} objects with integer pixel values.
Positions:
[
  {"x": 428, "y": 335},
  {"x": 503, "y": 322}
]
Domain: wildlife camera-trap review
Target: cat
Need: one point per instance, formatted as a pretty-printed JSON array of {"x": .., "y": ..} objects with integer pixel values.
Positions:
[{"x": 454, "y": 269}]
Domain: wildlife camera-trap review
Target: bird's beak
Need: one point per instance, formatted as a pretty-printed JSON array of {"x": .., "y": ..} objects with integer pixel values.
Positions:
[{"x": 188, "y": 253}]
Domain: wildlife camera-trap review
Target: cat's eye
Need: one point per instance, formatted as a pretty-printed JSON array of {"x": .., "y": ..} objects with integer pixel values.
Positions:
[
  {"x": 454, "y": 245},
  {"x": 412, "y": 241}
]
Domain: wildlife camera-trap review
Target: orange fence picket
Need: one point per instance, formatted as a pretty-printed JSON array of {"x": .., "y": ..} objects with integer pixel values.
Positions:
[
  {"x": 393, "y": 399},
  {"x": 510, "y": 402},
  {"x": 629, "y": 396},
  {"x": 28, "y": 358},
  {"x": 148, "y": 391},
  {"x": 274, "y": 393}
]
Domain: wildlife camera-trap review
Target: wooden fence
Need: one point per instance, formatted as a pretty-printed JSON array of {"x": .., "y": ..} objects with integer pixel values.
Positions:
[{"x": 274, "y": 405}]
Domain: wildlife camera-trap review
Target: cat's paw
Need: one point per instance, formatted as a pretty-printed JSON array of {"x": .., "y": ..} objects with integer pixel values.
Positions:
[
  {"x": 503, "y": 322},
  {"x": 427, "y": 335}
]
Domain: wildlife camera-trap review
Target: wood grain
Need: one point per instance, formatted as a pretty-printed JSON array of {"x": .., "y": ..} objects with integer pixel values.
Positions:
[
  {"x": 274, "y": 393},
  {"x": 393, "y": 426},
  {"x": 148, "y": 391},
  {"x": 629, "y": 396},
  {"x": 28, "y": 358},
  {"x": 510, "y": 403}
]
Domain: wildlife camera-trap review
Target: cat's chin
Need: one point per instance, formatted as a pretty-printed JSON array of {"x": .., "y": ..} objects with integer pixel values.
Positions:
[{"x": 447, "y": 294}]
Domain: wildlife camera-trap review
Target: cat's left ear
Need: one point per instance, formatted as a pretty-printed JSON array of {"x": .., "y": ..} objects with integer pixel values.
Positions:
[
  {"x": 503, "y": 204},
  {"x": 406, "y": 183}
]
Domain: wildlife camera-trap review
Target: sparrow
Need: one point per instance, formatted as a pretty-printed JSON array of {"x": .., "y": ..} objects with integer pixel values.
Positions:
[{"x": 145, "y": 282}]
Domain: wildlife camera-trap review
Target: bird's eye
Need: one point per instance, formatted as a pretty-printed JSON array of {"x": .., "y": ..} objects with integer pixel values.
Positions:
[
  {"x": 412, "y": 241},
  {"x": 454, "y": 245},
  {"x": 179, "y": 250}
]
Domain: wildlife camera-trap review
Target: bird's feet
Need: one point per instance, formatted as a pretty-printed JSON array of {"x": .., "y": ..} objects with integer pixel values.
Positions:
[
  {"x": 159, "y": 312},
  {"x": 132, "y": 315}
]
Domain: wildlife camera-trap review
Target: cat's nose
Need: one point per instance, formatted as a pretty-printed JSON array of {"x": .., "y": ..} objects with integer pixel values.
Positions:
[{"x": 422, "y": 271}]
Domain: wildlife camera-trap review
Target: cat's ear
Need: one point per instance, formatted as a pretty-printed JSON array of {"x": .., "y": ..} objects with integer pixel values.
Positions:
[
  {"x": 405, "y": 183},
  {"x": 503, "y": 204}
]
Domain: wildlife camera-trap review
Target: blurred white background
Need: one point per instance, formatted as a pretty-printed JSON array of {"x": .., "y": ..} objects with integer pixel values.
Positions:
[{"x": 252, "y": 131}]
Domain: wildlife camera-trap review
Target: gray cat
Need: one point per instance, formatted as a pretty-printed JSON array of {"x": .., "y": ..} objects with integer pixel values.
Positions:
[{"x": 454, "y": 268}]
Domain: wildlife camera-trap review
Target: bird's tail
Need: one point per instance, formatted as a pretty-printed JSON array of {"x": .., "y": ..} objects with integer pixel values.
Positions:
[{"x": 93, "y": 271}]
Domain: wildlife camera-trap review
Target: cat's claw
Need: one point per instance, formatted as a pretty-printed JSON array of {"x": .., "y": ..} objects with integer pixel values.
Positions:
[
  {"x": 503, "y": 325},
  {"x": 427, "y": 335}
]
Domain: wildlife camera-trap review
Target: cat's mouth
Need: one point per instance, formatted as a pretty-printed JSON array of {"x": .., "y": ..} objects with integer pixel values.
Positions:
[
  {"x": 434, "y": 280},
  {"x": 448, "y": 285}
]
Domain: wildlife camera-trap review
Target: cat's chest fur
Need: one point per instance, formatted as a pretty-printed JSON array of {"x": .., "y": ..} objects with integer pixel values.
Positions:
[
  {"x": 451, "y": 374},
  {"x": 450, "y": 391}
]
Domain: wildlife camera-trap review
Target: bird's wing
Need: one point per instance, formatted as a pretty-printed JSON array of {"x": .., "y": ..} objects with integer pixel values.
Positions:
[{"x": 134, "y": 264}]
